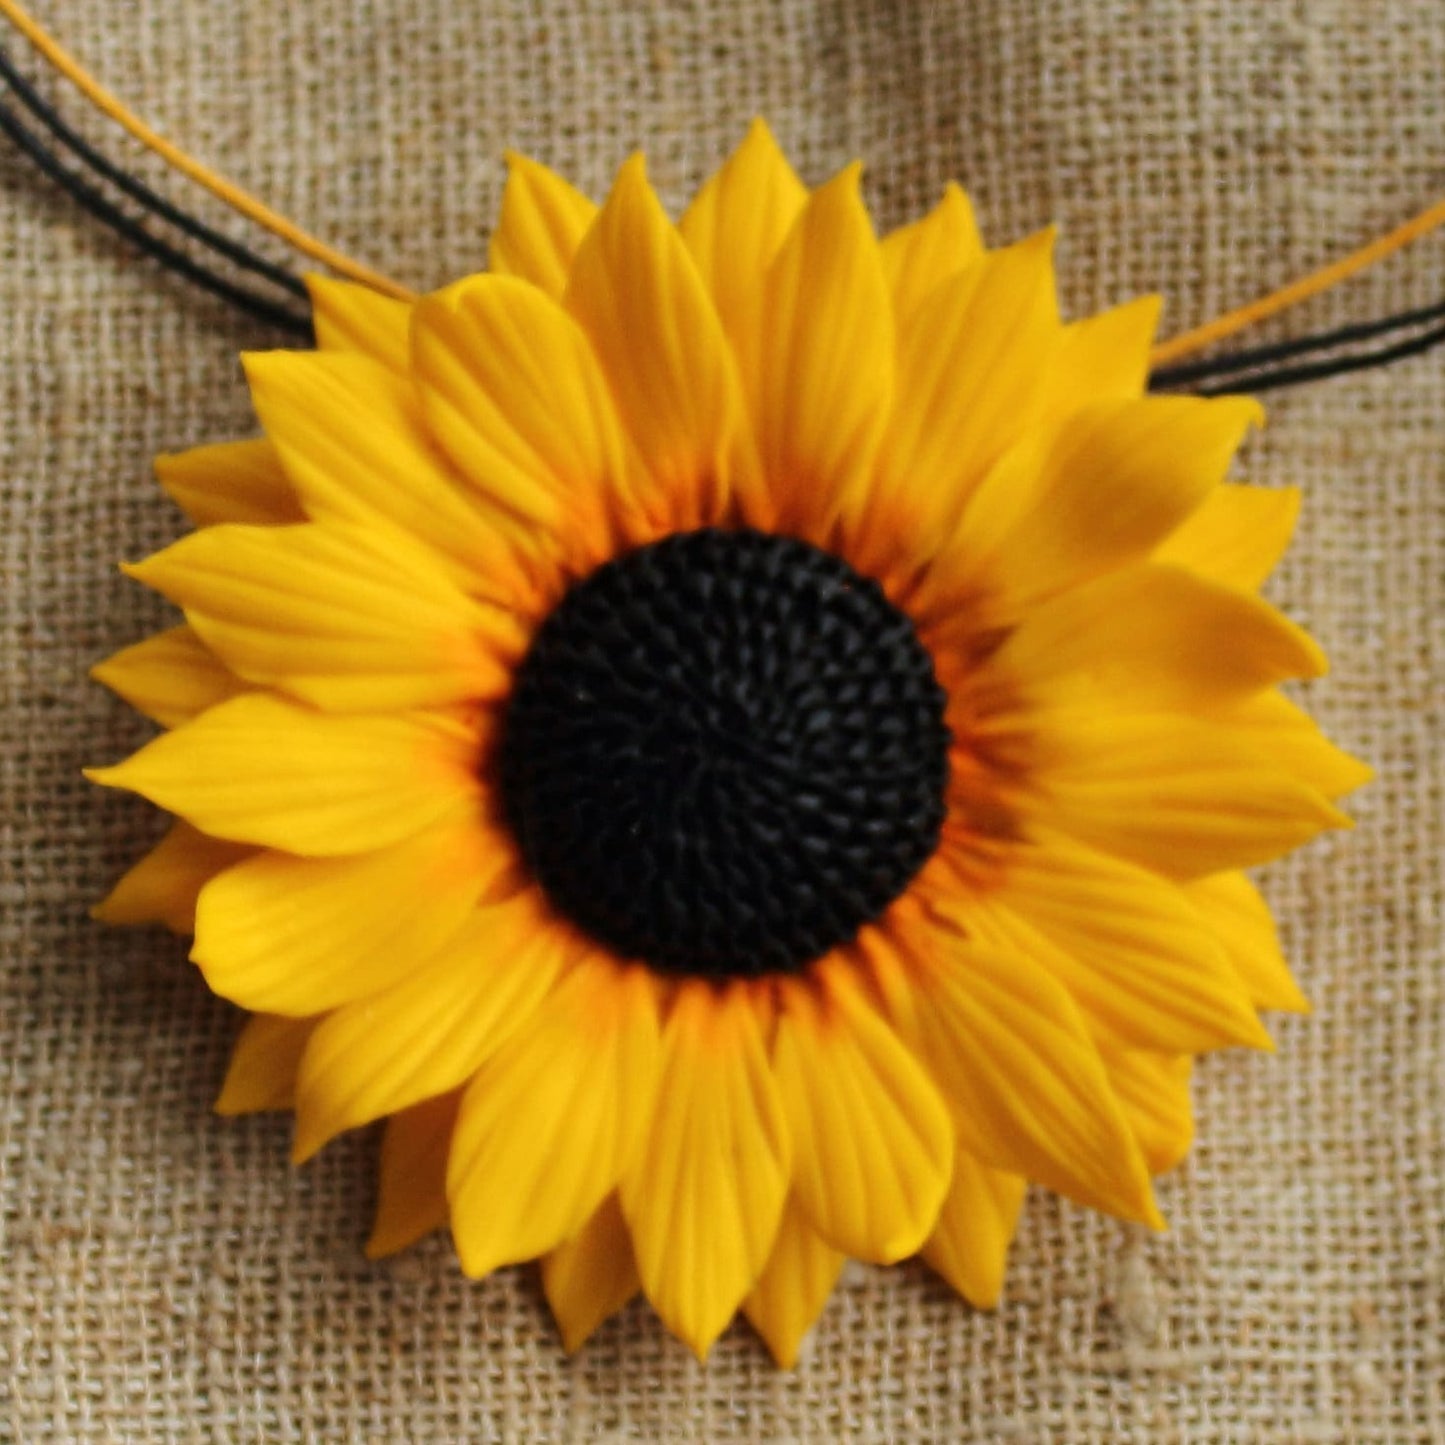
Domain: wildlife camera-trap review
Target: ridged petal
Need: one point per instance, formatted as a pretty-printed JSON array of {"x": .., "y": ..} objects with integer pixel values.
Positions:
[
  {"x": 411, "y": 1198},
  {"x": 919, "y": 257},
  {"x": 296, "y": 936},
  {"x": 1010, "y": 1052},
  {"x": 517, "y": 398},
  {"x": 1285, "y": 735},
  {"x": 705, "y": 1196},
  {"x": 591, "y": 1276},
  {"x": 1231, "y": 907},
  {"x": 345, "y": 617},
  {"x": 872, "y": 1142},
  {"x": 1123, "y": 941},
  {"x": 1154, "y": 1090},
  {"x": 1113, "y": 481},
  {"x": 542, "y": 222},
  {"x": 1153, "y": 637},
  {"x": 435, "y": 1026},
  {"x": 171, "y": 677},
  {"x": 262, "y": 1072},
  {"x": 794, "y": 1286},
  {"x": 353, "y": 440},
  {"x": 164, "y": 885},
  {"x": 1237, "y": 536},
  {"x": 230, "y": 482},
  {"x": 1102, "y": 358},
  {"x": 638, "y": 295},
  {"x": 971, "y": 361},
  {"x": 262, "y": 770},
  {"x": 1176, "y": 794},
  {"x": 969, "y": 1248},
  {"x": 352, "y": 317},
  {"x": 554, "y": 1118},
  {"x": 820, "y": 380},
  {"x": 737, "y": 223}
]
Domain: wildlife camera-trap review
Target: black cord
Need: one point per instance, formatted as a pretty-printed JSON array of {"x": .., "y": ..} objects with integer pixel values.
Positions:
[
  {"x": 1257, "y": 357},
  {"x": 233, "y": 250},
  {"x": 1240, "y": 371},
  {"x": 261, "y": 307},
  {"x": 1335, "y": 366}
]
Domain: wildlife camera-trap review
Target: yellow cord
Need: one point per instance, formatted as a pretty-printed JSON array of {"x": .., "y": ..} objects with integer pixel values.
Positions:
[
  {"x": 1301, "y": 290},
  {"x": 252, "y": 208},
  {"x": 230, "y": 193}
]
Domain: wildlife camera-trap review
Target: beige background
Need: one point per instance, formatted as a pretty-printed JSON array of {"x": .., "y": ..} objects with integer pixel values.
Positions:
[{"x": 168, "y": 1277}]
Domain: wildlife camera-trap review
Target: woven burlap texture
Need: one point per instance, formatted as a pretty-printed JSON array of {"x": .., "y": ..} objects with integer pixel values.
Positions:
[{"x": 167, "y": 1275}]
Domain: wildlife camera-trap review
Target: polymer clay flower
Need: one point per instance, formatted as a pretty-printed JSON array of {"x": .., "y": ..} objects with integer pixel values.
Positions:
[{"x": 737, "y": 740}]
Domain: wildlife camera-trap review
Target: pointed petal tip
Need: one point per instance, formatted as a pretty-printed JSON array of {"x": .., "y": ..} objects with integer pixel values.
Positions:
[
  {"x": 1151, "y": 306},
  {"x": 1259, "y": 1038},
  {"x": 848, "y": 181},
  {"x": 307, "y": 1142},
  {"x": 634, "y": 169},
  {"x": 385, "y": 1240},
  {"x": 226, "y": 1104}
]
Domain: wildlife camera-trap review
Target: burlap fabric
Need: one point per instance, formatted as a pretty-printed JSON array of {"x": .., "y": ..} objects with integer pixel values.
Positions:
[{"x": 168, "y": 1277}]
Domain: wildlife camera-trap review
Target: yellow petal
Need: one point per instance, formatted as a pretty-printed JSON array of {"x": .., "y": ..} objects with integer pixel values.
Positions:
[
  {"x": 1175, "y": 794},
  {"x": 1154, "y": 1090},
  {"x": 821, "y": 380},
  {"x": 738, "y": 221},
  {"x": 354, "y": 442},
  {"x": 262, "y": 770},
  {"x": 591, "y": 1276},
  {"x": 919, "y": 257},
  {"x": 970, "y": 1246},
  {"x": 638, "y": 295},
  {"x": 553, "y": 1119},
  {"x": 971, "y": 362},
  {"x": 351, "y": 317},
  {"x": 1237, "y": 536},
  {"x": 1153, "y": 637},
  {"x": 1114, "y": 480},
  {"x": 793, "y": 1287},
  {"x": 164, "y": 885},
  {"x": 1027, "y": 1086},
  {"x": 542, "y": 222},
  {"x": 1231, "y": 906},
  {"x": 705, "y": 1196},
  {"x": 435, "y": 1026},
  {"x": 1102, "y": 358},
  {"x": 171, "y": 677},
  {"x": 516, "y": 397},
  {"x": 872, "y": 1142},
  {"x": 412, "y": 1177},
  {"x": 345, "y": 617},
  {"x": 230, "y": 482},
  {"x": 302, "y": 935},
  {"x": 1124, "y": 942},
  {"x": 1285, "y": 735},
  {"x": 262, "y": 1073}
]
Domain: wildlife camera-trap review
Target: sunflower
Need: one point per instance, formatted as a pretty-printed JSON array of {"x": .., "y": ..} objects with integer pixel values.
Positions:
[{"x": 736, "y": 739}]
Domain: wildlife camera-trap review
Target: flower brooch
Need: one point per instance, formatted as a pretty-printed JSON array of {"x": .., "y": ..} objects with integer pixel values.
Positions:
[{"x": 737, "y": 740}]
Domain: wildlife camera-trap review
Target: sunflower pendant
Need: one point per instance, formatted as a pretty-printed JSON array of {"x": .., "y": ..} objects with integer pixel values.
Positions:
[{"x": 736, "y": 740}]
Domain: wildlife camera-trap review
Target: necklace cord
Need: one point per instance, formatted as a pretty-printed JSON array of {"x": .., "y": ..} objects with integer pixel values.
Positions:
[
  {"x": 99, "y": 206},
  {"x": 233, "y": 195},
  {"x": 138, "y": 191},
  {"x": 1188, "y": 342},
  {"x": 1243, "y": 365}
]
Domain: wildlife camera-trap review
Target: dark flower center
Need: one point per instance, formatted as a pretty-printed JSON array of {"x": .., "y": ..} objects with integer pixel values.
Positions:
[{"x": 725, "y": 753}]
